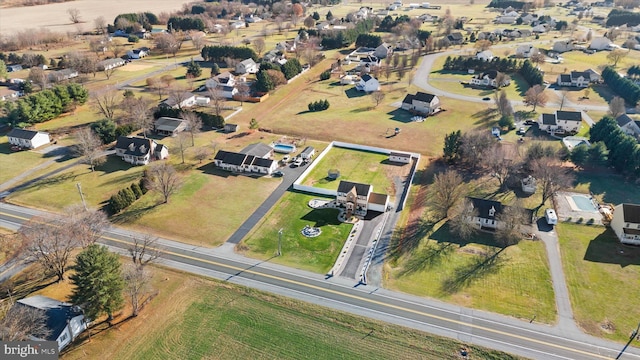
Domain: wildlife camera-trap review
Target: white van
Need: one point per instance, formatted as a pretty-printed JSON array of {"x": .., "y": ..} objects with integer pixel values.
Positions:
[{"x": 550, "y": 215}]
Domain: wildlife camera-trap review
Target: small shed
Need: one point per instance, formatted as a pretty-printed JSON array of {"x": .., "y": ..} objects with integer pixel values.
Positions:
[
  {"x": 307, "y": 153},
  {"x": 400, "y": 157},
  {"x": 229, "y": 128}
]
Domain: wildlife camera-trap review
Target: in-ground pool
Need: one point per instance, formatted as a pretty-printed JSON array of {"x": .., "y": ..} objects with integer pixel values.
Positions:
[
  {"x": 584, "y": 203},
  {"x": 284, "y": 148}
]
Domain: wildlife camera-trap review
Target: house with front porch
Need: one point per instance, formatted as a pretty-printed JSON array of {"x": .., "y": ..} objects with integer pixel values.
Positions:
[
  {"x": 489, "y": 79},
  {"x": 423, "y": 103},
  {"x": 357, "y": 199},
  {"x": 561, "y": 122},
  {"x": 140, "y": 151},
  {"x": 626, "y": 223}
]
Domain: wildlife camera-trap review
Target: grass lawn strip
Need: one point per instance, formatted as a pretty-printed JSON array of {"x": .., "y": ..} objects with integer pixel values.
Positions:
[
  {"x": 356, "y": 166},
  {"x": 601, "y": 275},
  {"x": 15, "y": 163},
  {"x": 516, "y": 283},
  {"x": 291, "y": 214}
]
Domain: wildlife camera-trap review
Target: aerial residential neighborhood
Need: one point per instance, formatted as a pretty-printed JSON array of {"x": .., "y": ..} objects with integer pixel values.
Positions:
[{"x": 320, "y": 179}]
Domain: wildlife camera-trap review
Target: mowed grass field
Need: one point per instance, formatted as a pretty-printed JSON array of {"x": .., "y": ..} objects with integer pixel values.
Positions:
[
  {"x": 291, "y": 214},
  {"x": 514, "y": 281},
  {"x": 601, "y": 275},
  {"x": 196, "y": 318},
  {"x": 356, "y": 166},
  {"x": 13, "y": 163}
]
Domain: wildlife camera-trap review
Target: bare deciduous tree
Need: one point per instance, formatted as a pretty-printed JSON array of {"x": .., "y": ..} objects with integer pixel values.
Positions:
[
  {"x": 20, "y": 322},
  {"x": 168, "y": 43},
  {"x": 502, "y": 160},
  {"x": 535, "y": 96},
  {"x": 616, "y": 55},
  {"x": 74, "y": 15},
  {"x": 86, "y": 226},
  {"x": 177, "y": 95},
  {"x": 217, "y": 100},
  {"x": 38, "y": 76},
  {"x": 194, "y": 124},
  {"x": 89, "y": 148},
  {"x": 377, "y": 97},
  {"x": 551, "y": 176},
  {"x": 243, "y": 91},
  {"x": 140, "y": 114},
  {"x": 462, "y": 224},
  {"x": 510, "y": 221},
  {"x": 100, "y": 24},
  {"x": 44, "y": 241},
  {"x": 201, "y": 154},
  {"x": 617, "y": 107},
  {"x": 259, "y": 45},
  {"x": 144, "y": 250},
  {"x": 137, "y": 280},
  {"x": 106, "y": 102},
  {"x": 181, "y": 143},
  {"x": 198, "y": 39},
  {"x": 473, "y": 147},
  {"x": 563, "y": 97},
  {"x": 446, "y": 191},
  {"x": 164, "y": 179}
]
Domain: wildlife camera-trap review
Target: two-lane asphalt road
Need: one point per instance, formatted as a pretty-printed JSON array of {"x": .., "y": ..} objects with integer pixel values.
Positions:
[{"x": 470, "y": 326}]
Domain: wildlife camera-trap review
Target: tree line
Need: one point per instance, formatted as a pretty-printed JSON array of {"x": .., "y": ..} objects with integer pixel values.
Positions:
[
  {"x": 623, "y": 149},
  {"x": 337, "y": 39},
  {"x": 625, "y": 88},
  {"x": 618, "y": 17},
  {"x": 217, "y": 53},
  {"x": 531, "y": 74},
  {"x": 464, "y": 63},
  {"x": 46, "y": 105}
]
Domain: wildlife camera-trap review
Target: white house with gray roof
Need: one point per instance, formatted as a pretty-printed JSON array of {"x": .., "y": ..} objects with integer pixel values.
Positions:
[
  {"x": 29, "y": 139},
  {"x": 561, "y": 122}
]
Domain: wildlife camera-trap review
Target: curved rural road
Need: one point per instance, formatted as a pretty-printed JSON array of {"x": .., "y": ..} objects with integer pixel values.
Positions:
[
  {"x": 467, "y": 325},
  {"x": 421, "y": 79}
]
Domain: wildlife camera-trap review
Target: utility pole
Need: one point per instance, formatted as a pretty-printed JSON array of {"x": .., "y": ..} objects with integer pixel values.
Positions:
[
  {"x": 280, "y": 242},
  {"x": 82, "y": 197},
  {"x": 631, "y": 337}
]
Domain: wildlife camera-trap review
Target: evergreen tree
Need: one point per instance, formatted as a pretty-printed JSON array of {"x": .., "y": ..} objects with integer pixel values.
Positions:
[
  {"x": 135, "y": 188},
  {"x": 264, "y": 82},
  {"x": 452, "y": 142},
  {"x": 315, "y": 16},
  {"x": 329, "y": 16},
  {"x": 194, "y": 69},
  {"x": 253, "y": 124},
  {"x": 598, "y": 154},
  {"x": 98, "y": 282},
  {"x": 215, "y": 70},
  {"x": 579, "y": 154}
]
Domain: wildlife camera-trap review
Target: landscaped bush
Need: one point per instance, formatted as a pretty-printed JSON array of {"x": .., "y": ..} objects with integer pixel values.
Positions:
[
  {"x": 325, "y": 75},
  {"x": 125, "y": 197},
  {"x": 319, "y": 105},
  {"x": 133, "y": 39}
]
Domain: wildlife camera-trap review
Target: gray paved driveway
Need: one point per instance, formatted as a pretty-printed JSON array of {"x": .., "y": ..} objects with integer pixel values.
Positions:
[{"x": 290, "y": 175}]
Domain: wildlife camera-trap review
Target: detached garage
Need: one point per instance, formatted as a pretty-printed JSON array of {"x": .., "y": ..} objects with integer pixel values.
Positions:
[{"x": 28, "y": 138}]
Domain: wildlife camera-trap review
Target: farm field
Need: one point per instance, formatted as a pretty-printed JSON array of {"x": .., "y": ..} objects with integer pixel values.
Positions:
[
  {"x": 599, "y": 270},
  {"x": 356, "y": 166},
  {"x": 237, "y": 322},
  {"x": 292, "y": 214}
]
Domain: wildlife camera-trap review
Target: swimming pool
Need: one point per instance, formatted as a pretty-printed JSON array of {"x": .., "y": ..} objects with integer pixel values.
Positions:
[
  {"x": 584, "y": 203},
  {"x": 284, "y": 148}
]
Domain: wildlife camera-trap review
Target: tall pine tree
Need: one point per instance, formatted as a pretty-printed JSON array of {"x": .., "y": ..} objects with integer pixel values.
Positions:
[{"x": 98, "y": 282}]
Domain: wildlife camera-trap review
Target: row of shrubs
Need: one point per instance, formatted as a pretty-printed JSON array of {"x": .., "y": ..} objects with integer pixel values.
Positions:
[
  {"x": 319, "y": 105},
  {"x": 127, "y": 196}
]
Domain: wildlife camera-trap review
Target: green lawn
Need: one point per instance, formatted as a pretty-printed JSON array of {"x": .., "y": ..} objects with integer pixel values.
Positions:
[
  {"x": 13, "y": 164},
  {"x": 195, "y": 318},
  {"x": 601, "y": 275},
  {"x": 356, "y": 166},
  {"x": 206, "y": 210},
  {"x": 291, "y": 214},
  {"x": 514, "y": 282},
  {"x": 607, "y": 186}
]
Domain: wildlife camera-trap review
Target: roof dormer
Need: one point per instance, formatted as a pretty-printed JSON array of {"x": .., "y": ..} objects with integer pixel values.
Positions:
[{"x": 492, "y": 211}]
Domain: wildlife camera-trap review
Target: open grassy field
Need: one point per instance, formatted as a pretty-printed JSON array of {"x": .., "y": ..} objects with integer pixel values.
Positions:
[
  {"x": 235, "y": 322},
  {"x": 514, "y": 281},
  {"x": 200, "y": 213},
  {"x": 600, "y": 274},
  {"x": 15, "y": 163},
  {"x": 356, "y": 166},
  {"x": 292, "y": 213}
]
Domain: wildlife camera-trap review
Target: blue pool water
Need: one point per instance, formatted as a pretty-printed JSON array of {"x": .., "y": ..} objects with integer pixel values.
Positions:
[
  {"x": 584, "y": 203},
  {"x": 284, "y": 148}
]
